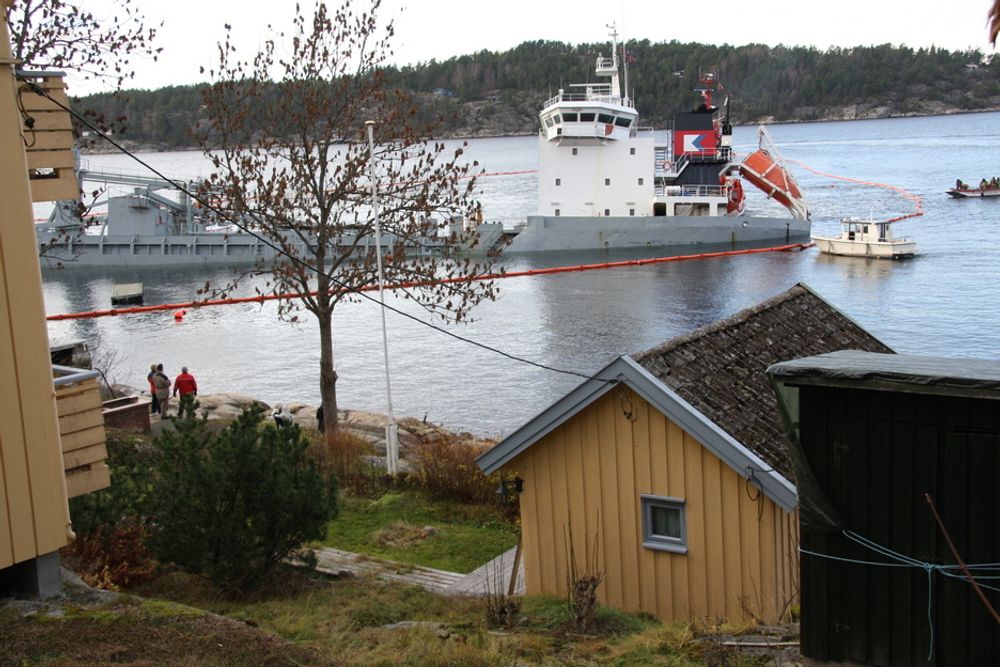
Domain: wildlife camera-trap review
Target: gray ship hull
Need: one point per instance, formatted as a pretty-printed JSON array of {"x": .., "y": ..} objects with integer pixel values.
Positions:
[
  {"x": 139, "y": 250},
  {"x": 549, "y": 234}
]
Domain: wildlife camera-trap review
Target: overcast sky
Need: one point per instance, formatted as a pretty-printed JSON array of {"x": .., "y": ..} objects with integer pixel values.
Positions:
[{"x": 439, "y": 29}]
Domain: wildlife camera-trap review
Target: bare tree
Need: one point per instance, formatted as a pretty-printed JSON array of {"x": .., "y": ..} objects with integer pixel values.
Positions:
[
  {"x": 285, "y": 132},
  {"x": 55, "y": 34}
]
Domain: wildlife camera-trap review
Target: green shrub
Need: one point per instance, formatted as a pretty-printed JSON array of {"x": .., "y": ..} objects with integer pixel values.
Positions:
[
  {"x": 128, "y": 459},
  {"x": 232, "y": 504}
]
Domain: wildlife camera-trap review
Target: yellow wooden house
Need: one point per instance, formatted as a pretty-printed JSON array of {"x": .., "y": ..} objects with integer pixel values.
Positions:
[
  {"x": 668, "y": 473},
  {"x": 47, "y": 454}
]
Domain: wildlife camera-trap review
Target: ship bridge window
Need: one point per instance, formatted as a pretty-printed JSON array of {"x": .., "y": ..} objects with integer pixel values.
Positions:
[
  {"x": 569, "y": 117},
  {"x": 605, "y": 118},
  {"x": 623, "y": 122},
  {"x": 548, "y": 122},
  {"x": 557, "y": 119},
  {"x": 587, "y": 117}
]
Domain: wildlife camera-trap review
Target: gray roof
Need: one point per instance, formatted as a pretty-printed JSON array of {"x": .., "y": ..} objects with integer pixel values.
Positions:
[
  {"x": 979, "y": 377},
  {"x": 720, "y": 369}
]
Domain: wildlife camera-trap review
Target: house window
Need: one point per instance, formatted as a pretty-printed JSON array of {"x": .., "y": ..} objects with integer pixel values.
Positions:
[
  {"x": 558, "y": 181},
  {"x": 663, "y": 525}
]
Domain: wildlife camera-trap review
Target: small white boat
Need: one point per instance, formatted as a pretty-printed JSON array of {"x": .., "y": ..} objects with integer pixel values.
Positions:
[{"x": 866, "y": 238}]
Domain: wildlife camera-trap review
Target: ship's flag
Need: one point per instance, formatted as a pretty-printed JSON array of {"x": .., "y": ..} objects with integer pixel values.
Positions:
[{"x": 696, "y": 142}]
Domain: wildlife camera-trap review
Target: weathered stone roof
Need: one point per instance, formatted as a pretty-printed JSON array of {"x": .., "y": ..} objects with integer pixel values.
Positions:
[{"x": 720, "y": 368}]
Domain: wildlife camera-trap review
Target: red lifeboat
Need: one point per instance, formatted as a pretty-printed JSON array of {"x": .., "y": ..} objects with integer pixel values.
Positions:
[{"x": 763, "y": 171}]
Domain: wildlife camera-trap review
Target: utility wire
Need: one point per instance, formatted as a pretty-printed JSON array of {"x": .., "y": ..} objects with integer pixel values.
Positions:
[{"x": 279, "y": 250}]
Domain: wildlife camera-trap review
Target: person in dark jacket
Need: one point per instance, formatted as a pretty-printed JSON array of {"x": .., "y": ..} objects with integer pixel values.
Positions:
[{"x": 154, "y": 407}]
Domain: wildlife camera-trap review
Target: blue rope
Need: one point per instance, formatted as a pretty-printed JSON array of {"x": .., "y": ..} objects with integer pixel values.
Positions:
[{"x": 903, "y": 560}]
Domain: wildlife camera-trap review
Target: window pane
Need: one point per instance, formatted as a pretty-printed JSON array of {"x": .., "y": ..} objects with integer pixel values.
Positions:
[
  {"x": 666, "y": 522},
  {"x": 605, "y": 118},
  {"x": 586, "y": 117},
  {"x": 569, "y": 117}
]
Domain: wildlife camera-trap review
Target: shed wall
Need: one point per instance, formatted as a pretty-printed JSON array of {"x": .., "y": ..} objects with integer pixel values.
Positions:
[
  {"x": 583, "y": 484},
  {"x": 34, "y": 518}
]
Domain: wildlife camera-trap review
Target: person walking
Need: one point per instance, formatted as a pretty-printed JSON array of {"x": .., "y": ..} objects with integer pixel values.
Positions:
[
  {"x": 154, "y": 407},
  {"x": 185, "y": 384},
  {"x": 162, "y": 383}
]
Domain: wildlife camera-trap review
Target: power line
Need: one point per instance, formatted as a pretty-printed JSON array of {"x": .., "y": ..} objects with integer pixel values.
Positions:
[{"x": 209, "y": 206}]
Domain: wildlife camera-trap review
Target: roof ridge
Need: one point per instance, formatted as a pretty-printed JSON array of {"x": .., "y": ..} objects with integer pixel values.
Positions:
[{"x": 797, "y": 290}]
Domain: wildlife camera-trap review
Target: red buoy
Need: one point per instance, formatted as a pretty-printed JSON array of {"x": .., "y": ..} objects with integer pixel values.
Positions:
[{"x": 179, "y": 315}]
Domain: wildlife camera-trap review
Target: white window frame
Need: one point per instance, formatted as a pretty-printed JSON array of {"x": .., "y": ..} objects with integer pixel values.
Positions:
[{"x": 650, "y": 540}]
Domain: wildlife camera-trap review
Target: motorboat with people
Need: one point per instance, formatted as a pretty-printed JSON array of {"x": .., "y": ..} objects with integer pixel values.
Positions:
[
  {"x": 987, "y": 188},
  {"x": 607, "y": 182},
  {"x": 867, "y": 238}
]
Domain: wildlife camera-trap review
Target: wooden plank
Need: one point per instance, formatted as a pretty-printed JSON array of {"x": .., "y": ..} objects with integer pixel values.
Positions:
[
  {"x": 80, "y": 421},
  {"x": 630, "y": 508},
  {"x": 732, "y": 485},
  {"x": 558, "y": 501},
  {"x": 580, "y": 505},
  {"x": 87, "y": 480},
  {"x": 658, "y": 485},
  {"x": 529, "y": 522},
  {"x": 85, "y": 456},
  {"x": 714, "y": 546},
  {"x": 677, "y": 481},
  {"x": 594, "y": 520},
  {"x": 54, "y": 189},
  {"x": 51, "y": 120},
  {"x": 51, "y": 160},
  {"x": 49, "y": 140},
  {"x": 78, "y": 402},
  {"x": 610, "y": 501},
  {"x": 697, "y": 558},
  {"x": 32, "y": 102},
  {"x": 82, "y": 439},
  {"x": 649, "y": 583}
]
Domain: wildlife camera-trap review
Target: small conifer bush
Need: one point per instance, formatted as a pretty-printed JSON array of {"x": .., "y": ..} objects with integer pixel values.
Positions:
[{"x": 231, "y": 504}]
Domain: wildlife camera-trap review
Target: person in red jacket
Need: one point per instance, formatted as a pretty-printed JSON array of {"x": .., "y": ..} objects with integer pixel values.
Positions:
[{"x": 185, "y": 384}]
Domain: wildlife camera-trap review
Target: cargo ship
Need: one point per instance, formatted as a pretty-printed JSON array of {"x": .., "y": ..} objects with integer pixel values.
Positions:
[{"x": 606, "y": 182}]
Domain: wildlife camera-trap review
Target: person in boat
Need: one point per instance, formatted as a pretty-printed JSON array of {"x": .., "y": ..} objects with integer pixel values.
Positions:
[{"x": 983, "y": 184}]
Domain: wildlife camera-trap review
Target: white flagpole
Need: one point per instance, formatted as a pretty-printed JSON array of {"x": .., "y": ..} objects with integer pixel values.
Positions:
[{"x": 391, "y": 429}]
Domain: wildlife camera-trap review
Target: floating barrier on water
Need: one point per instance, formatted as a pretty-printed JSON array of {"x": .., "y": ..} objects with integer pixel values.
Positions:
[{"x": 180, "y": 307}]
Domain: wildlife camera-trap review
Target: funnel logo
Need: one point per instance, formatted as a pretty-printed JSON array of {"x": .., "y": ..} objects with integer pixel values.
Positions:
[{"x": 698, "y": 142}]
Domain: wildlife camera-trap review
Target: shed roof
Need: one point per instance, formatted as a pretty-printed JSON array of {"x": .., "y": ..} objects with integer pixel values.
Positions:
[
  {"x": 720, "y": 369},
  {"x": 950, "y": 375}
]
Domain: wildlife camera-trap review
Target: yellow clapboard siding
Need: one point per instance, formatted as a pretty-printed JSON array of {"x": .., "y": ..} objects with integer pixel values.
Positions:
[
  {"x": 80, "y": 421},
  {"x": 32, "y": 102},
  {"x": 78, "y": 401},
  {"x": 49, "y": 140},
  {"x": 26, "y": 364},
  {"x": 85, "y": 456},
  {"x": 648, "y": 594},
  {"x": 87, "y": 480},
  {"x": 94, "y": 435},
  {"x": 50, "y": 120},
  {"x": 630, "y": 535},
  {"x": 610, "y": 500},
  {"x": 591, "y": 472},
  {"x": 54, "y": 189},
  {"x": 63, "y": 159},
  {"x": 732, "y": 487}
]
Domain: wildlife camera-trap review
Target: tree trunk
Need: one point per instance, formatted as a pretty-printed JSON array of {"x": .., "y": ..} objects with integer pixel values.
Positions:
[{"x": 327, "y": 376}]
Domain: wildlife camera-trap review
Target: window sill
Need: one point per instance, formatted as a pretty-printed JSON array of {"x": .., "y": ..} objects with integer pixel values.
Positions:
[{"x": 666, "y": 546}]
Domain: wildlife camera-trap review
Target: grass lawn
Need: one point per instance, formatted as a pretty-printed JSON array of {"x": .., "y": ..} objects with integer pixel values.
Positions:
[{"x": 408, "y": 527}]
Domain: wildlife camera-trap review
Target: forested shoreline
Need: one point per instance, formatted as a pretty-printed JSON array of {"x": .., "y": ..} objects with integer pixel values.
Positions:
[{"x": 499, "y": 93}]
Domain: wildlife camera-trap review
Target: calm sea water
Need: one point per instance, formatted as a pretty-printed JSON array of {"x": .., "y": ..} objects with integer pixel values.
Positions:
[{"x": 944, "y": 302}]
